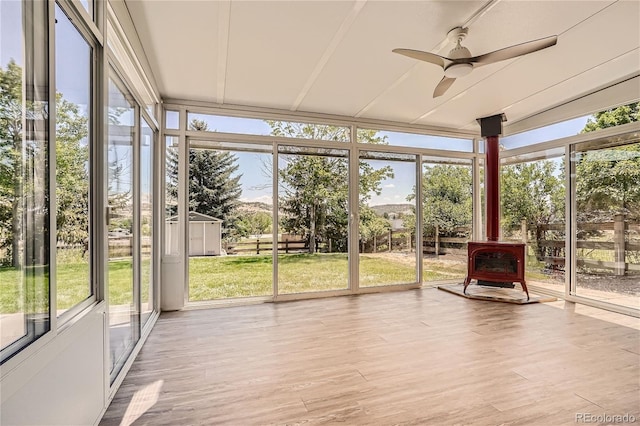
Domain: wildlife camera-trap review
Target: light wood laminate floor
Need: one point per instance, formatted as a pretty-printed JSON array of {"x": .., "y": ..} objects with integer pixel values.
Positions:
[{"x": 420, "y": 357}]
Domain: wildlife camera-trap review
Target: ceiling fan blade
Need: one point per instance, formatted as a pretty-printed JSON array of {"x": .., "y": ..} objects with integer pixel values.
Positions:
[
  {"x": 423, "y": 56},
  {"x": 443, "y": 86},
  {"x": 514, "y": 51}
]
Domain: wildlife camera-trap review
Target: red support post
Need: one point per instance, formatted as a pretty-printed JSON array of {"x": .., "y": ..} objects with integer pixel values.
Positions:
[{"x": 492, "y": 185}]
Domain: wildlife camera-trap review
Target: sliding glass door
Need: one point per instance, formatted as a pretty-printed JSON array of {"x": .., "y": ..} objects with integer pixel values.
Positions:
[
  {"x": 447, "y": 217},
  {"x": 607, "y": 221},
  {"x": 313, "y": 237},
  {"x": 123, "y": 290},
  {"x": 230, "y": 220},
  {"x": 387, "y": 227}
]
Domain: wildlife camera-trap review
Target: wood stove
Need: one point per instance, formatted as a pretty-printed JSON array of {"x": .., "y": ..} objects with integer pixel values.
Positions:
[
  {"x": 493, "y": 262},
  {"x": 496, "y": 262}
]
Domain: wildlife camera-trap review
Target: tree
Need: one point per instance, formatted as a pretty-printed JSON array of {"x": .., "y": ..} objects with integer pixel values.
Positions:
[
  {"x": 372, "y": 225},
  {"x": 607, "y": 179},
  {"x": 313, "y": 198},
  {"x": 10, "y": 160},
  {"x": 171, "y": 165},
  {"x": 613, "y": 117},
  {"x": 214, "y": 185},
  {"x": 314, "y": 184},
  {"x": 72, "y": 157},
  {"x": 72, "y": 174},
  {"x": 446, "y": 197},
  {"x": 254, "y": 223},
  {"x": 532, "y": 191}
]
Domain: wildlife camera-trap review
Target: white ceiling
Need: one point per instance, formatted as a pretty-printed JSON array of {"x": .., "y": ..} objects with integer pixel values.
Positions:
[{"x": 335, "y": 57}]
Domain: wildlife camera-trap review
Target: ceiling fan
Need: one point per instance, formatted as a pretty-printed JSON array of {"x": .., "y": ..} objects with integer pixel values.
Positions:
[{"x": 460, "y": 62}]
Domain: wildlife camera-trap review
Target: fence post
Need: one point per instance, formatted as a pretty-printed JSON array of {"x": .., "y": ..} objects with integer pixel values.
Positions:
[
  {"x": 618, "y": 244},
  {"x": 525, "y": 238},
  {"x": 390, "y": 239},
  {"x": 375, "y": 243},
  {"x": 258, "y": 246},
  {"x": 437, "y": 240}
]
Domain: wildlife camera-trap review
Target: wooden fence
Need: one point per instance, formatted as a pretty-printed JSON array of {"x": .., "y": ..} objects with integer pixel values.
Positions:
[
  {"x": 258, "y": 247},
  {"x": 546, "y": 242},
  {"x": 404, "y": 240},
  {"x": 615, "y": 246}
]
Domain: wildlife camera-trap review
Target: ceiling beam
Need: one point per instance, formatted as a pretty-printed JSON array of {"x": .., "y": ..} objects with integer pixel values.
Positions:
[
  {"x": 622, "y": 92},
  {"x": 224, "y": 20}
]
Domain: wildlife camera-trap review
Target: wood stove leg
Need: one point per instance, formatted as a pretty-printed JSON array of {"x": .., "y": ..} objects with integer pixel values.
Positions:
[
  {"x": 526, "y": 290},
  {"x": 467, "y": 280}
]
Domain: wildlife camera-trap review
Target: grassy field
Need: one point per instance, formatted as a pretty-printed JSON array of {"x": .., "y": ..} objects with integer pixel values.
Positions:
[
  {"x": 231, "y": 276},
  {"x": 72, "y": 285},
  {"x": 242, "y": 276}
]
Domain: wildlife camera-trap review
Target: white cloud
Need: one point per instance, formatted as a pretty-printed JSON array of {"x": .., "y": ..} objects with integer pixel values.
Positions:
[{"x": 389, "y": 185}]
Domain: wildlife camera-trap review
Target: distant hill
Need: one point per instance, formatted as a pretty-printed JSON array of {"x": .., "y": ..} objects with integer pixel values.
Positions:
[
  {"x": 381, "y": 209},
  {"x": 254, "y": 206}
]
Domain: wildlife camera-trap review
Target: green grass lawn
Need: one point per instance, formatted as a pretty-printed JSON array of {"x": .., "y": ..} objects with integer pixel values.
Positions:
[
  {"x": 242, "y": 276},
  {"x": 14, "y": 297},
  {"x": 229, "y": 276},
  {"x": 72, "y": 285}
]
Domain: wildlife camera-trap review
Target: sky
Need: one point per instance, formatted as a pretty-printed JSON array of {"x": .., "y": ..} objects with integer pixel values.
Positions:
[{"x": 257, "y": 184}]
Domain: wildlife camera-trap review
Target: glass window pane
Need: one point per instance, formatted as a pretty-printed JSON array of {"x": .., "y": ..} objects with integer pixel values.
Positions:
[
  {"x": 544, "y": 134},
  {"x": 230, "y": 222},
  {"x": 88, "y": 5},
  {"x": 313, "y": 192},
  {"x": 607, "y": 194},
  {"x": 387, "y": 225},
  {"x": 73, "y": 106},
  {"x": 532, "y": 194},
  {"x": 147, "y": 202},
  {"x": 172, "y": 120},
  {"x": 24, "y": 177},
  {"x": 414, "y": 140},
  {"x": 123, "y": 315},
  {"x": 172, "y": 229},
  {"x": 254, "y": 126},
  {"x": 447, "y": 209}
]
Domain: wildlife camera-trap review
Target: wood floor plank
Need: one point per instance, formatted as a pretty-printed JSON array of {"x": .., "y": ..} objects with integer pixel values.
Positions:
[{"x": 420, "y": 357}]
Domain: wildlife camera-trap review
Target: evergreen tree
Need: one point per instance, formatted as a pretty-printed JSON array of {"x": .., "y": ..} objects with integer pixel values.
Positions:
[
  {"x": 214, "y": 185},
  {"x": 171, "y": 164}
]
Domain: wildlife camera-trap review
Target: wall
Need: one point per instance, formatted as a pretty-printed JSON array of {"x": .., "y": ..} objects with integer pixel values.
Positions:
[{"x": 63, "y": 382}]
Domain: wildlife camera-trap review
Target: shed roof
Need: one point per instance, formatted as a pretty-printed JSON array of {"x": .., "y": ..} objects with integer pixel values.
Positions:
[{"x": 197, "y": 217}]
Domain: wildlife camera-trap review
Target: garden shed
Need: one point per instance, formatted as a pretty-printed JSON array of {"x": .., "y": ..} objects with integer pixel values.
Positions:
[{"x": 205, "y": 234}]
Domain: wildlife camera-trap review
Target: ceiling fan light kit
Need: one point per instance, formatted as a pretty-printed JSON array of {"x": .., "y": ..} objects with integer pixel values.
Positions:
[
  {"x": 460, "y": 63},
  {"x": 458, "y": 70}
]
